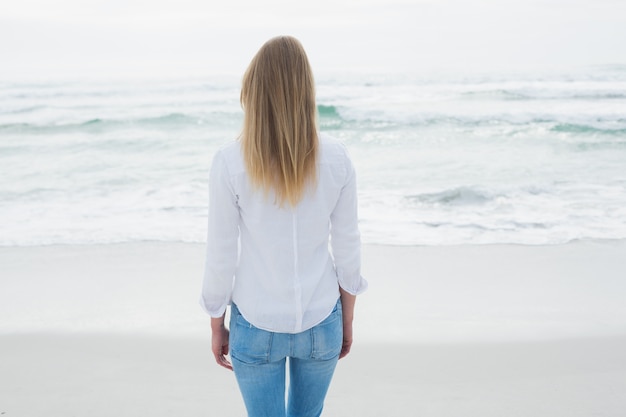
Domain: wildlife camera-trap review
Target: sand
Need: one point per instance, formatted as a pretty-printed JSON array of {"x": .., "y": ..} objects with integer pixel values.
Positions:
[{"x": 443, "y": 331}]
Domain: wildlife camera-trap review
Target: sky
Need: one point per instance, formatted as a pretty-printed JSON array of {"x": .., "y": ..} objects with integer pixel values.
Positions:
[{"x": 193, "y": 37}]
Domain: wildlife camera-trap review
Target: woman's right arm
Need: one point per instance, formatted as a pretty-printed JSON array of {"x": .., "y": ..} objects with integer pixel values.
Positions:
[
  {"x": 347, "y": 304},
  {"x": 345, "y": 238},
  {"x": 346, "y": 247}
]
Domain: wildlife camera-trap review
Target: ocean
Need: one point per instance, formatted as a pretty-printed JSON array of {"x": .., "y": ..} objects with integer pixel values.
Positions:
[{"x": 443, "y": 159}]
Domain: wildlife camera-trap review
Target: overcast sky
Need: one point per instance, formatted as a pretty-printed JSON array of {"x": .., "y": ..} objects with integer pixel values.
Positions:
[{"x": 135, "y": 37}]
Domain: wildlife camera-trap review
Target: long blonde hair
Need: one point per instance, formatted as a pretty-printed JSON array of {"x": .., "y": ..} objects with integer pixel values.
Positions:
[{"x": 279, "y": 137}]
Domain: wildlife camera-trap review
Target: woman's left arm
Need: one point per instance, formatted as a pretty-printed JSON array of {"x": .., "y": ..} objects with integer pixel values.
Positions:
[
  {"x": 221, "y": 255},
  {"x": 219, "y": 341},
  {"x": 222, "y": 241}
]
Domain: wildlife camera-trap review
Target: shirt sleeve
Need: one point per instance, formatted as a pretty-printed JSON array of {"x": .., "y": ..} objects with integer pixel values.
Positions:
[
  {"x": 222, "y": 240},
  {"x": 345, "y": 236}
]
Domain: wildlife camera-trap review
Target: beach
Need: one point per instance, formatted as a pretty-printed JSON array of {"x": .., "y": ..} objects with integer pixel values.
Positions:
[
  {"x": 489, "y": 145},
  {"x": 468, "y": 330}
]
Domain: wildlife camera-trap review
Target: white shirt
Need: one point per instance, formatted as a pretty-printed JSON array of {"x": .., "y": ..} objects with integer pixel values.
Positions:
[{"x": 276, "y": 263}]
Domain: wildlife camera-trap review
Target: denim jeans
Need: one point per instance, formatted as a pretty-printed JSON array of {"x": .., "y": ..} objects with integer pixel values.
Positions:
[{"x": 259, "y": 359}]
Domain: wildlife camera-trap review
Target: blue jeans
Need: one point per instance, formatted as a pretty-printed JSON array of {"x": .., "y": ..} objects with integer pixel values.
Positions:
[{"x": 259, "y": 360}]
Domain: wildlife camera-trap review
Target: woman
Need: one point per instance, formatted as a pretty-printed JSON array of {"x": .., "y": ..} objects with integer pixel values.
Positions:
[{"x": 277, "y": 198}]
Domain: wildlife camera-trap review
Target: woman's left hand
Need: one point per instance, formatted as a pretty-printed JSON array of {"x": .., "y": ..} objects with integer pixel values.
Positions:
[{"x": 219, "y": 343}]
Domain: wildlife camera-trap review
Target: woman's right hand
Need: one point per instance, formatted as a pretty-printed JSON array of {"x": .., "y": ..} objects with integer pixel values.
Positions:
[
  {"x": 347, "y": 304},
  {"x": 347, "y": 339}
]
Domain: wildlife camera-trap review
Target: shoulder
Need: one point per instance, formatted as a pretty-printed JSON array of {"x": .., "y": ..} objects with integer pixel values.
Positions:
[
  {"x": 334, "y": 160},
  {"x": 231, "y": 150},
  {"x": 228, "y": 157},
  {"x": 332, "y": 150}
]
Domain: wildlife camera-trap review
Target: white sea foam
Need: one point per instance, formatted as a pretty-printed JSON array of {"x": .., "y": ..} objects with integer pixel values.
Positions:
[{"x": 495, "y": 159}]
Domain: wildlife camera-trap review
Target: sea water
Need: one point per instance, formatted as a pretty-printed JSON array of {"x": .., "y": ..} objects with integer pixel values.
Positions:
[{"x": 533, "y": 158}]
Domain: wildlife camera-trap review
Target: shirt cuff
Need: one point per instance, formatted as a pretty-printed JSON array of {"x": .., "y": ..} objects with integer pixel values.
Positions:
[
  {"x": 353, "y": 284},
  {"x": 214, "y": 310}
]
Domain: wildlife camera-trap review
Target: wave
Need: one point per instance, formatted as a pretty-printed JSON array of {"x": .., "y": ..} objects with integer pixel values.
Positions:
[
  {"x": 328, "y": 111},
  {"x": 470, "y": 195},
  {"x": 332, "y": 118},
  {"x": 456, "y": 196},
  {"x": 379, "y": 121},
  {"x": 171, "y": 121},
  {"x": 586, "y": 129},
  {"x": 509, "y": 226},
  {"x": 22, "y": 110},
  {"x": 329, "y": 117},
  {"x": 497, "y": 94},
  {"x": 542, "y": 95}
]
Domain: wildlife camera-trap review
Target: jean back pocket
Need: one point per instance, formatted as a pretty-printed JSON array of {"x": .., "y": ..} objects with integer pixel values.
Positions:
[
  {"x": 328, "y": 336},
  {"x": 248, "y": 344}
]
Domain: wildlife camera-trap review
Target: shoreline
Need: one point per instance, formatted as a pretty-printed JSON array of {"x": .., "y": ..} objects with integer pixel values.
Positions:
[
  {"x": 443, "y": 293},
  {"x": 580, "y": 241}
]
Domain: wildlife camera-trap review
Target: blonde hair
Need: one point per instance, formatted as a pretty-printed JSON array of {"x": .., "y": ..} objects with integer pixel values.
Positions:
[{"x": 279, "y": 136}]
